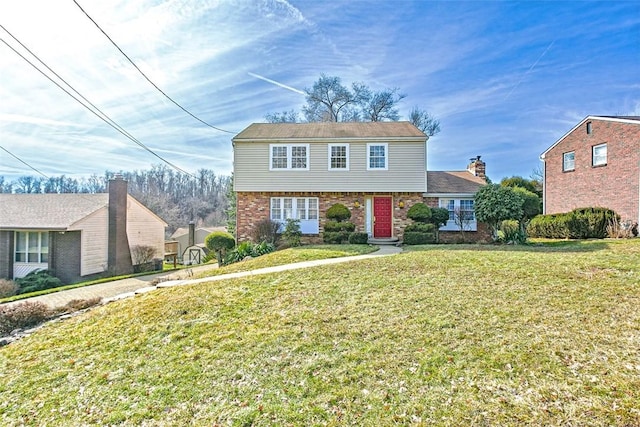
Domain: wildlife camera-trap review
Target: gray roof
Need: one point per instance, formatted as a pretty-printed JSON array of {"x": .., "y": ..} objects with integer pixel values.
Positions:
[
  {"x": 47, "y": 211},
  {"x": 453, "y": 182},
  {"x": 181, "y": 231},
  {"x": 329, "y": 130}
]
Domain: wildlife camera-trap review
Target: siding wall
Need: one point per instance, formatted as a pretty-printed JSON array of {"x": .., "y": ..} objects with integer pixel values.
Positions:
[
  {"x": 406, "y": 170},
  {"x": 94, "y": 242},
  {"x": 615, "y": 186},
  {"x": 144, "y": 228}
]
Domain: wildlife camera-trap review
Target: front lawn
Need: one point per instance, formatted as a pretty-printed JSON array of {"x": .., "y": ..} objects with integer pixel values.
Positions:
[{"x": 445, "y": 336}]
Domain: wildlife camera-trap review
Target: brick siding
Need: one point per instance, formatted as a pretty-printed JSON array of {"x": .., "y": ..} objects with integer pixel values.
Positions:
[
  {"x": 253, "y": 207},
  {"x": 615, "y": 186}
]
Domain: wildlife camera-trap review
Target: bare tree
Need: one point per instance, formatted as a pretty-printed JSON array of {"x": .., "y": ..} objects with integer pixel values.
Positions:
[
  {"x": 424, "y": 121},
  {"x": 290, "y": 116},
  {"x": 380, "y": 106},
  {"x": 327, "y": 99},
  {"x": 462, "y": 218}
]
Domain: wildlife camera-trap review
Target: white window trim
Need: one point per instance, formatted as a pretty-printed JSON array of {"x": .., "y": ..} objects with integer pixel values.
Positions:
[
  {"x": 593, "y": 155},
  {"x": 451, "y": 225},
  {"x": 329, "y": 157},
  {"x": 564, "y": 162},
  {"x": 289, "y": 148},
  {"x": 39, "y": 251},
  {"x": 307, "y": 226},
  {"x": 386, "y": 156}
]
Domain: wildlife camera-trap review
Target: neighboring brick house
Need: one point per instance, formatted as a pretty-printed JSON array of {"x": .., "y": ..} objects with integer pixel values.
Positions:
[
  {"x": 376, "y": 169},
  {"x": 595, "y": 164},
  {"x": 75, "y": 236}
]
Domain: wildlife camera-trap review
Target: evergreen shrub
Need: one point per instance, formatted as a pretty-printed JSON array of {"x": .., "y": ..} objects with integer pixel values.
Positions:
[{"x": 358, "y": 238}]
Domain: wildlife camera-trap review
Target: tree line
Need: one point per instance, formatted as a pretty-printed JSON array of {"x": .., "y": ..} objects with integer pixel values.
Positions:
[{"x": 178, "y": 198}]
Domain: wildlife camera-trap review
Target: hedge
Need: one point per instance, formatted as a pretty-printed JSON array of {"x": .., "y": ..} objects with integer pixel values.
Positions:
[{"x": 582, "y": 223}]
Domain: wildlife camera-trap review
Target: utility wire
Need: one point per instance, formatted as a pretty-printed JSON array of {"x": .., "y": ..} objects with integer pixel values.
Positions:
[
  {"x": 102, "y": 116},
  {"x": 145, "y": 76},
  {"x": 22, "y": 161}
]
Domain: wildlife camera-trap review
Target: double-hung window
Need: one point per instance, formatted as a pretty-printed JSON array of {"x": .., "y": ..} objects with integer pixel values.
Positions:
[
  {"x": 288, "y": 157},
  {"x": 461, "y": 215},
  {"x": 377, "y": 156},
  {"x": 569, "y": 161},
  {"x": 339, "y": 157},
  {"x": 599, "y": 155},
  {"x": 31, "y": 247},
  {"x": 304, "y": 209}
]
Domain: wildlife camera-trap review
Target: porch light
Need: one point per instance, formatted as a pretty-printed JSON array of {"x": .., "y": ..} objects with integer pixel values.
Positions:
[
  {"x": 356, "y": 204},
  {"x": 401, "y": 204}
]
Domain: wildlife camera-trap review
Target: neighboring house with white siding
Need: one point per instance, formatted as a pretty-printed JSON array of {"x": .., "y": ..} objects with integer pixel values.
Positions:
[
  {"x": 75, "y": 236},
  {"x": 376, "y": 169}
]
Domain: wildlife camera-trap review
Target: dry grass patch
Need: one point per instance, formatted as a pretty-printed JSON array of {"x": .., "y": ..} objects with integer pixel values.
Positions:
[{"x": 445, "y": 336}]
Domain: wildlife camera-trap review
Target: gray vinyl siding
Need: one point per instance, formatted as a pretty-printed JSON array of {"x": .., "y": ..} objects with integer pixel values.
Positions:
[
  {"x": 144, "y": 228},
  {"x": 406, "y": 170},
  {"x": 6, "y": 254},
  {"x": 94, "y": 242}
]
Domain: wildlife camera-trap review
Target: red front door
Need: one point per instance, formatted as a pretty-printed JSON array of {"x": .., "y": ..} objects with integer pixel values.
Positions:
[{"x": 382, "y": 217}]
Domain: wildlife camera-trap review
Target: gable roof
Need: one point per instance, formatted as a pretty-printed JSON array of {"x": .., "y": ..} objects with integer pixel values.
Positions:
[
  {"x": 47, "y": 211},
  {"x": 453, "y": 182},
  {"x": 329, "y": 130},
  {"x": 620, "y": 119},
  {"x": 181, "y": 231}
]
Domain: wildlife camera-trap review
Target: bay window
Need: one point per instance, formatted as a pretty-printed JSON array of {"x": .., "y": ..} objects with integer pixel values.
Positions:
[{"x": 304, "y": 209}]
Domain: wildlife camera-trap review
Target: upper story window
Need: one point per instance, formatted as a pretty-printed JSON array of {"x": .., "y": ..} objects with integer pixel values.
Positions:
[
  {"x": 569, "y": 161},
  {"x": 288, "y": 157},
  {"x": 339, "y": 157},
  {"x": 599, "y": 155},
  {"x": 32, "y": 247},
  {"x": 377, "y": 156},
  {"x": 589, "y": 128}
]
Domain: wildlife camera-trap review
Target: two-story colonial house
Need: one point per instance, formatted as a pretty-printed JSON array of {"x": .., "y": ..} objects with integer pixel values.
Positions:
[
  {"x": 597, "y": 163},
  {"x": 376, "y": 169}
]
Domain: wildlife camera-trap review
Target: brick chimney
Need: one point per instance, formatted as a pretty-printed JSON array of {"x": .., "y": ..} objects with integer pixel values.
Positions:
[
  {"x": 119, "y": 254},
  {"x": 477, "y": 167}
]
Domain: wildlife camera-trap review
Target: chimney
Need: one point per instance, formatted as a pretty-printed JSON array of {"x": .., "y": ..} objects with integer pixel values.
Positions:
[
  {"x": 119, "y": 254},
  {"x": 192, "y": 233},
  {"x": 477, "y": 167}
]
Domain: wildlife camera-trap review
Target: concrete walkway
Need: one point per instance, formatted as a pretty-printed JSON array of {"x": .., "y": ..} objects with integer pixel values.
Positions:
[{"x": 125, "y": 288}]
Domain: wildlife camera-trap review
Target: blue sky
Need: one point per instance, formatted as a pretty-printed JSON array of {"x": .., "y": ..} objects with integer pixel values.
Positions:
[{"x": 505, "y": 79}]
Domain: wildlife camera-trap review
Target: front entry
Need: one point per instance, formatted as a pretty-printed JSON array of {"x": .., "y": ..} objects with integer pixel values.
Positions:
[{"x": 382, "y": 217}]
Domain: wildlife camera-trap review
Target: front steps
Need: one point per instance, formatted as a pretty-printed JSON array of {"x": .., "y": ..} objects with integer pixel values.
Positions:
[{"x": 390, "y": 241}]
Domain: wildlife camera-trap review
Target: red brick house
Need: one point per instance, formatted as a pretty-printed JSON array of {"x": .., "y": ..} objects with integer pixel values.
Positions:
[
  {"x": 376, "y": 169},
  {"x": 595, "y": 164}
]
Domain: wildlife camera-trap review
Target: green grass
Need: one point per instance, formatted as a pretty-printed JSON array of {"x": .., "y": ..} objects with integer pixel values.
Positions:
[{"x": 445, "y": 336}]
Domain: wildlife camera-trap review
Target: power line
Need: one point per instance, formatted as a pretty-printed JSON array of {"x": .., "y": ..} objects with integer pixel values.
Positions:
[
  {"x": 102, "y": 116},
  {"x": 22, "y": 161},
  {"x": 147, "y": 78}
]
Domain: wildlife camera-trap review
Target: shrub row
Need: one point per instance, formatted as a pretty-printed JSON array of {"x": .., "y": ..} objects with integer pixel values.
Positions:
[
  {"x": 248, "y": 249},
  {"x": 582, "y": 223},
  {"x": 340, "y": 237}
]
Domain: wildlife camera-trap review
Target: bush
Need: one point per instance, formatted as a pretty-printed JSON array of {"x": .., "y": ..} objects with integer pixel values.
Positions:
[
  {"x": 510, "y": 232},
  {"x": 420, "y": 227},
  {"x": 622, "y": 229},
  {"x": 248, "y": 249},
  {"x": 267, "y": 230},
  {"x": 142, "y": 254},
  {"x": 23, "y": 315},
  {"x": 335, "y": 237},
  {"x": 418, "y": 238},
  {"x": 339, "y": 226},
  {"x": 81, "y": 304},
  {"x": 292, "y": 233},
  {"x": 220, "y": 242},
  {"x": 583, "y": 223},
  {"x": 8, "y": 288},
  {"x": 358, "y": 238},
  {"x": 419, "y": 213},
  {"x": 338, "y": 212},
  {"x": 38, "y": 280},
  {"x": 439, "y": 217}
]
